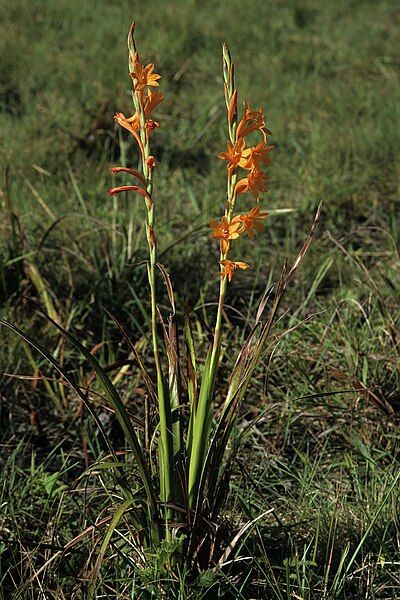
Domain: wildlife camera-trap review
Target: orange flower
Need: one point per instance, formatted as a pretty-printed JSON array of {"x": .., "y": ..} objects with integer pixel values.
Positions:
[
  {"x": 225, "y": 231},
  {"x": 252, "y": 120},
  {"x": 132, "y": 124},
  {"x": 150, "y": 125},
  {"x": 130, "y": 188},
  {"x": 234, "y": 154},
  {"x": 253, "y": 158},
  {"x": 144, "y": 76},
  {"x": 129, "y": 123},
  {"x": 251, "y": 221},
  {"x": 255, "y": 182},
  {"x": 153, "y": 99},
  {"x": 230, "y": 267},
  {"x": 130, "y": 171}
]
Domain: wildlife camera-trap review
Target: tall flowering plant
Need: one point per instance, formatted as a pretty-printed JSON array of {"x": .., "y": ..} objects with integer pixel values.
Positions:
[
  {"x": 238, "y": 156},
  {"x": 184, "y": 483}
]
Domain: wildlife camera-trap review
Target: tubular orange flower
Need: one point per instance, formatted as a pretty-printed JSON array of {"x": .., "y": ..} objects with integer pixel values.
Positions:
[
  {"x": 253, "y": 158},
  {"x": 252, "y": 120},
  {"x": 130, "y": 188},
  {"x": 130, "y": 171},
  {"x": 255, "y": 182},
  {"x": 152, "y": 100},
  {"x": 144, "y": 76},
  {"x": 131, "y": 124},
  {"x": 230, "y": 267},
  {"x": 225, "y": 231},
  {"x": 233, "y": 154},
  {"x": 134, "y": 121},
  {"x": 251, "y": 221}
]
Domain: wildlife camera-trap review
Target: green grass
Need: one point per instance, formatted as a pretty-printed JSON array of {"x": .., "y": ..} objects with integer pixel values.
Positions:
[{"x": 325, "y": 454}]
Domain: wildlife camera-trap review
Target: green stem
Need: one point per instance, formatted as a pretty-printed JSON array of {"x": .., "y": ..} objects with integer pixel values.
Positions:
[
  {"x": 203, "y": 416},
  {"x": 165, "y": 422}
]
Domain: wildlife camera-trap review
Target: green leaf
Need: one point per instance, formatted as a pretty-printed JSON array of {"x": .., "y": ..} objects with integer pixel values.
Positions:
[{"x": 112, "y": 396}]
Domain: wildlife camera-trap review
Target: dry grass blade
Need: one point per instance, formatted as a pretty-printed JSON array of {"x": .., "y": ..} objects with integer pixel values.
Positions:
[
  {"x": 232, "y": 544},
  {"x": 168, "y": 283},
  {"x": 306, "y": 245},
  {"x": 70, "y": 545},
  {"x": 264, "y": 301}
]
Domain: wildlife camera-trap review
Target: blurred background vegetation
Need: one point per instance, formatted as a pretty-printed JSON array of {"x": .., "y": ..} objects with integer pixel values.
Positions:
[{"x": 325, "y": 456}]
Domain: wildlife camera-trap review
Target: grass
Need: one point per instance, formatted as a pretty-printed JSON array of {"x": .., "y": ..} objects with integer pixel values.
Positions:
[{"x": 324, "y": 454}]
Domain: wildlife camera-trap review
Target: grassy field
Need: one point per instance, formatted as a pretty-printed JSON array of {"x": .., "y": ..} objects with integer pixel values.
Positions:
[{"x": 324, "y": 454}]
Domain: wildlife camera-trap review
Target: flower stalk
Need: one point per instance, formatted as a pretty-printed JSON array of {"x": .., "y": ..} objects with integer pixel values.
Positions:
[
  {"x": 201, "y": 426},
  {"x": 227, "y": 230},
  {"x": 140, "y": 125}
]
